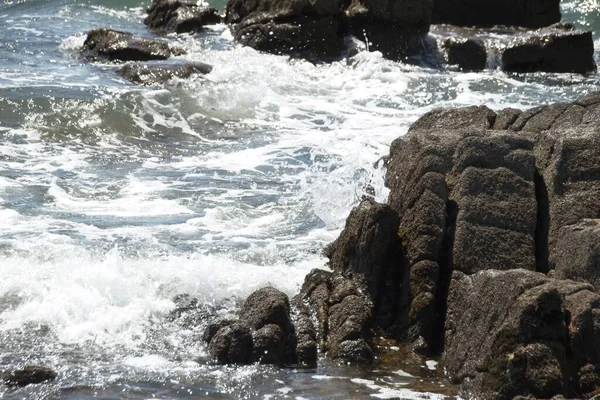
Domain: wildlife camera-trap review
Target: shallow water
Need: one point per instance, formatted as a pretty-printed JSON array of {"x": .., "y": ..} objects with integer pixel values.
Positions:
[{"x": 114, "y": 198}]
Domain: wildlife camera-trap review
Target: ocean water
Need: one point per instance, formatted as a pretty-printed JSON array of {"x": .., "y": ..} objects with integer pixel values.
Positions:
[{"x": 116, "y": 200}]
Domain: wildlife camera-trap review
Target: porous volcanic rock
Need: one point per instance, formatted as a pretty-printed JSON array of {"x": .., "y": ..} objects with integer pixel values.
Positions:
[
  {"x": 152, "y": 74},
  {"x": 167, "y": 16}
]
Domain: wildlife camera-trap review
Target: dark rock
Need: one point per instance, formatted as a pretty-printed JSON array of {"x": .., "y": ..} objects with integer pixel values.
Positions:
[
  {"x": 472, "y": 117},
  {"x": 111, "y": 45},
  {"x": 369, "y": 250},
  {"x": 28, "y": 375},
  {"x": 151, "y": 74},
  {"x": 232, "y": 344},
  {"x": 520, "y": 333},
  {"x": 550, "y": 50},
  {"x": 558, "y": 48},
  {"x": 269, "y": 345},
  {"x": 306, "y": 334},
  {"x": 214, "y": 327},
  {"x": 165, "y": 16},
  {"x": 267, "y": 306},
  {"x": 527, "y": 13},
  {"x": 316, "y": 29},
  {"x": 468, "y": 54},
  {"x": 577, "y": 254}
]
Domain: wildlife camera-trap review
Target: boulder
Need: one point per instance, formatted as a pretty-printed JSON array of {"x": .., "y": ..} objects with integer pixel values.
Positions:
[
  {"x": 549, "y": 50},
  {"x": 558, "y": 48},
  {"x": 519, "y": 332},
  {"x": 526, "y": 13},
  {"x": 263, "y": 333},
  {"x": 232, "y": 344},
  {"x": 111, "y": 45},
  {"x": 578, "y": 252},
  {"x": 317, "y": 29},
  {"x": 174, "y": 16},
  {"x": 28, "y": 375},
  {"x": 152, "y": 74}
]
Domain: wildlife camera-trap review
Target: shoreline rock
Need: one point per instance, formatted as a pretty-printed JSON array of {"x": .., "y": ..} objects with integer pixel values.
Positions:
[
  {"x": 487, "y": 209},
  {"x": 174, "y": 16},
  {"x": 111, "y": 45},
  {"x": 28, "y": 375}
]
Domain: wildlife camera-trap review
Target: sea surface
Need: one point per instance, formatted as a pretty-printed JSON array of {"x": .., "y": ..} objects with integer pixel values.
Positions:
[{"x": 127, "y": 213}]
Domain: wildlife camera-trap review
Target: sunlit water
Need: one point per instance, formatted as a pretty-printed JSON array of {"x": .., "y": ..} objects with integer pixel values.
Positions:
[{"x": 115, "y": 198}]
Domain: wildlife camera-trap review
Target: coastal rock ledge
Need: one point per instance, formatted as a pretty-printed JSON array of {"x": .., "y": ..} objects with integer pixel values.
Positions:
[{"x": 485, "y": 256}]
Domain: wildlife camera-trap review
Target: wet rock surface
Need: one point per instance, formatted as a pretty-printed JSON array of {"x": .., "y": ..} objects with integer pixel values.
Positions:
[
  {"x": 526, "y": 13},
  {"x": 558, "y": 48},
  {"x": 485, "y": 253},
  {"x": 152, "y": 74},
  {"x": 28, "y": 375},
  {"x": 174, "y": 16},
  {"x": 317, "y": 29},
  {"x": 111, "y": 45}
]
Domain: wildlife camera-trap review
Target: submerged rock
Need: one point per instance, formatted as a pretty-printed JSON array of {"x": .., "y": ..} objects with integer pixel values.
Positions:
[
  {"x": 527, "y": 13},
  {"x": 151, "y": 74},
  {"x": 111, "y": 45},
  {"x": 167, "y": 16},
  {"x": 558, "y": 48},
  {"x": 29, "y": 375}
]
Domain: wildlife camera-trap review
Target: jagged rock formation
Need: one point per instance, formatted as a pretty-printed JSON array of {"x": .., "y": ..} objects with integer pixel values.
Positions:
[
  {"x": 488, "y": 213},
  {"x": 174, "y": 16},
  {"x": 151, "y": 74},
  {"x": 111, "y": 45}
]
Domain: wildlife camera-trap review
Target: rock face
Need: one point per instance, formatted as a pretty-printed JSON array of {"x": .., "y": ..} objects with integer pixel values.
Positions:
[
  {"x": 558, "y": 48},
  {"x": 518, "y": 332},
  {"x": 578, "y": 252},
  {"x": 316, "y": 29},
  {"x": 111, "y": 45},
  {"x": 28, "y": 375},
  {"x": 490, "y": 213},
  {"x": 174, "y": 16},
  {"x": 527, "y": 13},
  {"x": 151, "y": 74}
]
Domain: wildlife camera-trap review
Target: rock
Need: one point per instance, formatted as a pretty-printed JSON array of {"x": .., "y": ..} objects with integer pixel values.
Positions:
[
  {"x": 28, "y": 375},
  {"x": 369, "y": 251},
  {"x": 558, "y": 48},
  {"x": 264, "y": 333},
  {"x": 468, "y": 54},
  {"x": 267, "y": 306},
  {"x": 214, "y": 327},
  {"x": 317, "y": 29},
  {"x": 232, "y": 344},
  {"x": 111, "y": 45},
  {"x": 526, "y": 13},
  {"x": 550, "y": 50},
  {"x": 269, "y": 345},
  {"x": 376, "y": 22},
  {"x": 578, "y": 252},
  {"x": 166, "y": 16},
  {"x": 151, "y": 74},
  {"x": 518, "y": 332}
]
